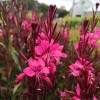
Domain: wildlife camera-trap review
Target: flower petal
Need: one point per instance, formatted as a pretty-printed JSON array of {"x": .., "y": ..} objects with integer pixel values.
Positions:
[
  {"x": 20, "y": 77},
  {"x": 78, "y": 89},
  {"x": 29, "y": 72}
]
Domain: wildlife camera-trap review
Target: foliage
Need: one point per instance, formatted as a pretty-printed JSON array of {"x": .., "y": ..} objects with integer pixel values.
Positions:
[{"x": 62, "y": 12}]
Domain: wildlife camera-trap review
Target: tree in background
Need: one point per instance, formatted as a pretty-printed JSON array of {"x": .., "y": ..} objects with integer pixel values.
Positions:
[
  {"x": 42, "y": 8},
  {"x": 62, "y": 12}
]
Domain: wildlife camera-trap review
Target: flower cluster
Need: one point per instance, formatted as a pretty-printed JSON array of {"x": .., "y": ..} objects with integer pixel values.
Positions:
[
  {"x": 83, "y": 68},
  {"x": 46, "y": 54}
]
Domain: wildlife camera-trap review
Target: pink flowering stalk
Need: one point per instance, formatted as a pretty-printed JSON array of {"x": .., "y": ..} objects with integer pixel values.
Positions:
[
  {"x": 92, "y": 39},
  {"x": 46, "y": 55},
  {"x": 83, "y": 68}
]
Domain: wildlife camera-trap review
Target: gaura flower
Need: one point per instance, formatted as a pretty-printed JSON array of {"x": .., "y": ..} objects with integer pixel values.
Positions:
[
  {"x": 36, "y": 67},
  {"x": 63, "y": 94},
  {"x": 92, "y": 39},
  {"x": 76, "y": 68},
  {"x": 82, "y": 66},
  {"x": 50, "y": 49},
  {"x": 26, "y": 25}
]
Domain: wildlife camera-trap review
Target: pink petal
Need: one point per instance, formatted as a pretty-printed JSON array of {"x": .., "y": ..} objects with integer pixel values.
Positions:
[
  {"x": 52, "y": 68},
  {"x": 41, "y": 62},
  {"x": 28, "y": 71},
  {"x": 38, "y": 50},
  {"x": 42, "y": 47},
  {"x": 63, "y": 94},
  {"x": 94, "y": 98},
  {"x": 33, "y": 62},
  {"x": 75, "y": 98},
  {"x": 20, "y": 77},
  {"x": 57, "y": 53},
  {"x": 78, "y": 89},
  {"x": 78, "y": 65},
  {"x": 43, "y": 35},
  {"x": 45, "y": 70},
  {"x": 75, "y": 73}
]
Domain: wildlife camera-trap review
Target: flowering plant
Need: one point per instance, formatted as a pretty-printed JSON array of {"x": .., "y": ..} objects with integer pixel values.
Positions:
[{"x": 39, "y": 63}]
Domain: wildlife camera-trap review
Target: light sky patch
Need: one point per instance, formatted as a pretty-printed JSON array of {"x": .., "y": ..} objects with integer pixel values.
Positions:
[{"x": 66, "y": 3}]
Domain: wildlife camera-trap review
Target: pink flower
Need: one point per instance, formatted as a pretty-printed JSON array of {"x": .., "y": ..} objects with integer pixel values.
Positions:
[
  {"x": 51, "y": 51},
  {"x": 92, "y": 39},
  {"x": 36, "y": 67},
  {"x": 76, "y": 68},
  {"x": 94, "y": 98},
  {"x": 56, "y": 51},
  {"x": 42, "y": 47},
  {"x": 63, "y": 94},
  {"x": 79, "y": 67},
  {"x": 26, "y": 25}
]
